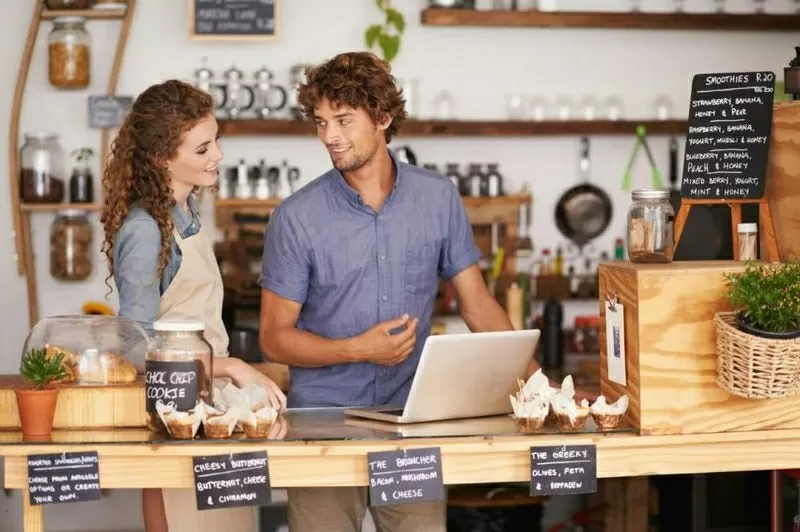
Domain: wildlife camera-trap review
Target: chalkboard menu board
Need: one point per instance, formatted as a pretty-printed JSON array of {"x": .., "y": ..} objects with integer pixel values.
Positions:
[
  {"x": 405, "y": 476},
  {"x": 231, "y": 480},
  {"x": 108, "y": 111},
  {"x": 65, "y": 477},
  {"x": 563, "y": 470},
  {"x": 234, "y": 19},
  {"x": 730, "y": 120}
]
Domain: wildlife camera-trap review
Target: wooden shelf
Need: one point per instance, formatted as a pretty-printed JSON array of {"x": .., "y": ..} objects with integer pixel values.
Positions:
[
  {"x": 52, "y": 207},
  {"x": 611, "y": 20},
  {"x": 107, "y": 14},
  {"x": 468, "y": 128}
]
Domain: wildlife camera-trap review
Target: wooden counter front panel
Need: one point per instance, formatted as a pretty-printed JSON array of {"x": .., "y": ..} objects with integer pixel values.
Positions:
[
  {"x": 82, "y": 407},
  {"x": 671, "y": 354}
]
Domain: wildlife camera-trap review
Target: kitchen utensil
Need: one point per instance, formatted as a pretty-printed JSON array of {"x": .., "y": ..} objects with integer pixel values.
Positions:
[
  {"x": 292, "y": 177},
  {"x": 234, "y": 88},
  {"x": 269, "y": 97},
  {"x": 584, "y": 211},
  {"x": 641, "y": 141},
  {"x": 406, "y": 154}
]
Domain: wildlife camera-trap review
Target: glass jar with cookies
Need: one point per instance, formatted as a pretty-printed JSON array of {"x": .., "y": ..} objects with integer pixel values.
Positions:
[
  {"x": 68, "y": 53},
  {"x": 94, "y": 350}
]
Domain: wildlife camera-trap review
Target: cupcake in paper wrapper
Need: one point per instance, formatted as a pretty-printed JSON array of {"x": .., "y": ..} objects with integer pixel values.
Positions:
[
  {"x": 570, "y": 415},
  {"x": 257, "y": 424},
  {"x": 537, "y": 385},
  {"x": 181, "y": 425},
  {"x": 609, "y": 416},
  {"x": 218, "y": 425},
  {"x": 530, "y": 414}
]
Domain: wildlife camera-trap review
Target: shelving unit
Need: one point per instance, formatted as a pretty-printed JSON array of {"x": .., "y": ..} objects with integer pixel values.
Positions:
[
  {"x": 21, "y": 212},
  {"x": 467, "y": 128},
  {"x": 434, "y": 16}
]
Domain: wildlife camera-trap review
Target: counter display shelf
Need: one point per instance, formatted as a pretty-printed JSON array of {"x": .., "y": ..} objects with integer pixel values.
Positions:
[{"x": 323, "y": 448}]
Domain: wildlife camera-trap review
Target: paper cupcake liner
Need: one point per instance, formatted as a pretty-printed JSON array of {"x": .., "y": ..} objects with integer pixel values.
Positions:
[
  {"x": 258, "y": 430},
  {"x": 566, "y": 423},
  {"x": 529, "y": 425},
  {"x": 607, "y": 421}
]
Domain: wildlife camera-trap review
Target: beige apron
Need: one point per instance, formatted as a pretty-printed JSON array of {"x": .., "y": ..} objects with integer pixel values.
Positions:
[{"x": 196, "y": 293}]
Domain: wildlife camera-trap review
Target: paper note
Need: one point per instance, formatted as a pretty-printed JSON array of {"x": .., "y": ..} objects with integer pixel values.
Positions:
[{"x": 615, "y": 343}]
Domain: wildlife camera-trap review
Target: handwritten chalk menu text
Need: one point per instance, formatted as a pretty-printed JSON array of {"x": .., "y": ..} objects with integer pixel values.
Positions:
[
  {"x": 65, "y": 477},
  {"x": 231, "y": 480},
  {"x": 730, "y": 119},
  {"x": 172, "y": 383},
  {"x": 563, "y": 470},
  {"x": 405, "y": 476},
  {"x": 108, "y": 111},
  {"x": 234, "y": 17}
]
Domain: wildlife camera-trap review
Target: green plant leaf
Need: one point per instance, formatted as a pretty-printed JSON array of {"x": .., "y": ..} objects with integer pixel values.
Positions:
[
  {"x": 396, "y": 19},
  {"x": 379, "y": 4},
  {"x": 390, "y": 45},
  {"x": 372, "y": 35},
  {"x": 768, "y": 295},
  {"x": 38, "y": 369}
]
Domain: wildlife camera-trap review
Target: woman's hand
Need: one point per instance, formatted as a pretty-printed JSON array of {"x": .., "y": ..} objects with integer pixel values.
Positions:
[{"x": 243, "y": 374}]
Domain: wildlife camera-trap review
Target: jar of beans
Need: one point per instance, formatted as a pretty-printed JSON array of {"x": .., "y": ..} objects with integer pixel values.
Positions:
[
  {"x": 68, "y": 54},
  {"x": 71, "y": 246}
]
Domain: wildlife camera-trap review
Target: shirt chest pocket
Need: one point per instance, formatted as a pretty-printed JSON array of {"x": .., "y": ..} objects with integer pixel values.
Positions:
[{"x": 422, "y": 267}]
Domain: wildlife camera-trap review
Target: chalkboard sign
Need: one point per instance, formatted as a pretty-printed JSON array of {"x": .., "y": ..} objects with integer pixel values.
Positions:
[
  {"x": 108, "y": 111},
  {"x": 231, "y": 480},
  {"x": 65, "y": 477},
  {"x": 730, "y": 119},
  {"x": 563, "y": 470},
  {"x": 172, "y": 383},
  {"x": 234, "y": 19},
  {"x": 406, "y": 476}
]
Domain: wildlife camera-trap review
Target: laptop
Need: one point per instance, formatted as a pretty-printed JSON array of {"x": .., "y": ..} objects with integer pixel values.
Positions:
[{"x": 462, "y": 376}]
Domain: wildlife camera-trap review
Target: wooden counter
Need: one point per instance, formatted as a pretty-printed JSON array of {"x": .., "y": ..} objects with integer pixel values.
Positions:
[{"x": 465, "y": 459}]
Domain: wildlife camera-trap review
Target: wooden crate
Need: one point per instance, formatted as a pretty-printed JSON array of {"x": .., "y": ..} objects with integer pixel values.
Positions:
[
  {"x": 82, "y": 407},
  {"x": 671, "y": 353}
]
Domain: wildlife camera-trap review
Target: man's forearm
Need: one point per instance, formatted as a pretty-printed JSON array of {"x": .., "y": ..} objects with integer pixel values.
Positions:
[{"x": 304, "y": 349}]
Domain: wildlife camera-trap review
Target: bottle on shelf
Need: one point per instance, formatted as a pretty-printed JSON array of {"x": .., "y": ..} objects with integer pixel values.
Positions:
[{"x": 558, "y": 262}]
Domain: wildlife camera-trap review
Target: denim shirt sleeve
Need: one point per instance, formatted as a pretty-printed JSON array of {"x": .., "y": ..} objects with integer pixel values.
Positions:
[
  {"x": 286, "y": 264},
  {"x": 458, "y": 250},
  {"x": 136, "y": 253}
]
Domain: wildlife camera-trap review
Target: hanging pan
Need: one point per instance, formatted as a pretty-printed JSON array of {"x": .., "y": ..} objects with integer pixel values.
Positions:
[{"x": 584, "y": 211}]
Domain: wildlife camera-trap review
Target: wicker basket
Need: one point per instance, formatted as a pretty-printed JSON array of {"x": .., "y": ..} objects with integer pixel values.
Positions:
[{"x": 753, "y": 367}]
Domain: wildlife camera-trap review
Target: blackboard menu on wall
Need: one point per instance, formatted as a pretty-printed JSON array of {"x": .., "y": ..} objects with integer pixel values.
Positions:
[
  {"x": 727, "y": 144},
  {"x": 234, "y": 19},
  {"x": 64, "y": 477}
]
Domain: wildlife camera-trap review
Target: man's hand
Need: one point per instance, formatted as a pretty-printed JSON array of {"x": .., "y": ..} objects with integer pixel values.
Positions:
[{"x": 379, "y": 346}]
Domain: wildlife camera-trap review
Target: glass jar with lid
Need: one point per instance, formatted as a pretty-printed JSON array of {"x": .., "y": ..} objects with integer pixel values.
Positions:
[
  {"x": 178, "y": 369},
  {"x": 68, "y": 56},
  {"x": 650, "y": 219},
  {"x": 71, "y": 247},
  {"x": 41, "y": 169}
]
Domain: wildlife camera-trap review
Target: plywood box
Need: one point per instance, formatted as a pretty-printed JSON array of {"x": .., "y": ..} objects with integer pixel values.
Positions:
[
  {"x": 671, "y": 354},
  {"x": 82, "y": 407}
]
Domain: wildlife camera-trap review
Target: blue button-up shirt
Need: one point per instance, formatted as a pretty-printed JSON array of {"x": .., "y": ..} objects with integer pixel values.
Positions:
[
  {"x": 136, "y": 253},
  {"x": 352, "y": 268}
]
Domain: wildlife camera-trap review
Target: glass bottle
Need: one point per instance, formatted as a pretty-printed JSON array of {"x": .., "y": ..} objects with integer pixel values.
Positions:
[
  {"x": 650, "y": 219},
  {"x": 67, "y": 4},
  {"x": 179, "y": 369},
  {"x": 68, "y": 56},
  {"x": 81, "y": 183},
  {"x": 71, "y": 246},
  {"x": 41, "y": 171}
]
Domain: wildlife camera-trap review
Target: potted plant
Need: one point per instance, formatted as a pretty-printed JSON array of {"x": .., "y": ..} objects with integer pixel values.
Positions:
[
  {"x": 386, "y": 35},
  {"x": 37, "y": 402},
  {"x": 767, "y": 299}
]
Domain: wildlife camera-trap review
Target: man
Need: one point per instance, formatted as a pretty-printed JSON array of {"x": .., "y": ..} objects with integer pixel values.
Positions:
[{"x": 350, "y": 274}]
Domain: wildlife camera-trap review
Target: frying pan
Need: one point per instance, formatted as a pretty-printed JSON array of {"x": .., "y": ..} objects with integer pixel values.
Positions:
[{"x": 584, "y": 211}]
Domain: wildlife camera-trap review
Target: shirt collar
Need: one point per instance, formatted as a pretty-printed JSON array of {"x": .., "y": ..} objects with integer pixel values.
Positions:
[
  {"x": 355, "y": 198},
  {"x": 184, "y": 220}
]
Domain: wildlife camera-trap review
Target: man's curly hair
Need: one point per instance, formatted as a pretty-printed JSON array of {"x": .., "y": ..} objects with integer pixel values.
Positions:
[
  {"x": 136, "y": 167},
  {"x": 359, "y": 80}
]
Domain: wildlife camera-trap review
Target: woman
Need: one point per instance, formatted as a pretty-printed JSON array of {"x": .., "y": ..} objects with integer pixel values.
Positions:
[{"x": 162, "y": 263}]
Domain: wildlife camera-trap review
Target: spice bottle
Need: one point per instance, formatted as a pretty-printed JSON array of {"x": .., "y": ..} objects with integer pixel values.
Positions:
[
  {"x": 748, "y": 236},
  {"x": 68, "y": 53}
]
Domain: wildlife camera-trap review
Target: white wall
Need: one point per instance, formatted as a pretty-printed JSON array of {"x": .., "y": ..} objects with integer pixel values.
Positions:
[{"x": 478, "y": 66}]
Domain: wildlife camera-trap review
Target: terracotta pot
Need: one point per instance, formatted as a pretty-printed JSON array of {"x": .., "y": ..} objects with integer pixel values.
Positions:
[{"x": 36, "y": 410}]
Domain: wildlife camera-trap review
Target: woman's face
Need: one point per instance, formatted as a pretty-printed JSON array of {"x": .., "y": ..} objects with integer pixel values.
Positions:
[{"x": 195, "y": 164}]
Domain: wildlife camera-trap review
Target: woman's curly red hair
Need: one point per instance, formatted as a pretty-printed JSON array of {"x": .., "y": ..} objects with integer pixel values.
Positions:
[
  {"x": 359, "y": 80},
  {"x": 136, "y": 169}
]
